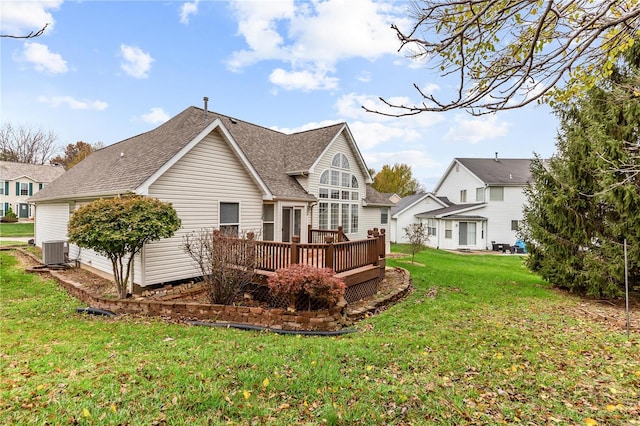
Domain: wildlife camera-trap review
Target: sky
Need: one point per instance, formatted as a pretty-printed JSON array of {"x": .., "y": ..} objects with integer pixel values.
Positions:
[{"x": 104, "y": 71}]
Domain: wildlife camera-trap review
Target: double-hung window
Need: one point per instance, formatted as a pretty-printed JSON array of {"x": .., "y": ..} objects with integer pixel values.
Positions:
[{"x": 230, "y": 218}]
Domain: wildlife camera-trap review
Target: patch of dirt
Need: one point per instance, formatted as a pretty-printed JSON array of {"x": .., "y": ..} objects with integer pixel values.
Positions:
[{"x": 611, "y": 313}]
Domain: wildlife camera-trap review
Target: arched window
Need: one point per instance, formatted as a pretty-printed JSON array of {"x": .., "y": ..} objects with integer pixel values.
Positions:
[{"x": 339, "y": 196}]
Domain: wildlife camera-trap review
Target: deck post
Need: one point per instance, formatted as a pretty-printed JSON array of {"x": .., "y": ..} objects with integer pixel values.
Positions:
[
  {"x": 329, "y": 253},
  {"x": 295, "y": 240},
  {"x": 339, "y": 234},
  {"x": 309, "y": 234}
]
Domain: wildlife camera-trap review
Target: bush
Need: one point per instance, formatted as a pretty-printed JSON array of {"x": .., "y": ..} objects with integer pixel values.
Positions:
[
  {"x": 9, "y": 216},
  {"x": 320, "y": 284}
]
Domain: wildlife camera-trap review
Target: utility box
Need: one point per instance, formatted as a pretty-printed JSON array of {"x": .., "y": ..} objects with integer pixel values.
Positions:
[{"x": 54, "y": 252}]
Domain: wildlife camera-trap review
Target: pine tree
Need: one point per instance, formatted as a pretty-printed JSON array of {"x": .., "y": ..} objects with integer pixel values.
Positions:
[{"x": 585, "y": 201}]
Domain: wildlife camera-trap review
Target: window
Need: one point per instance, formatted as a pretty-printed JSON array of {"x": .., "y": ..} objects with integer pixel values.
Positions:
[
  {"x": 354, "y": 218},
  {"x": 515, "y": 225},
  {"x": 24, "y": 188},
  {"x": 339, "y": 187},
  {"x": 447, "y": 229},
  {"x": 384, "y": 215},
  {"x": 480, "y": 194},
  {"x": 431, "y": 227},
  {"x": 463, "y": 196},
  {"x": 268, "y": 222},
  {"x": 2, "y": 188},
  {"x": 496, "y": 193},
  {"x": 230, "y": 218}
]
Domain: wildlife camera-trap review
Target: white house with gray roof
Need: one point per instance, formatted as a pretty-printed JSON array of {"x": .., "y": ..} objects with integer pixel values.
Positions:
[
  {"x": 19, "y": 181},
  {"x": 476, "y": 203},
  {"x": 220, "y": 172}
]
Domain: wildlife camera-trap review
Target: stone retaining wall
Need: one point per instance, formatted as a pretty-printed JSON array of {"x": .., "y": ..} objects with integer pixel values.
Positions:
[{"x": 277, "y": 319}]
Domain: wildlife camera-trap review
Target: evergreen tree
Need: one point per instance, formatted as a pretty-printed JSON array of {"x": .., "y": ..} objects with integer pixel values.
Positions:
[{"x": 585, "y": 201}]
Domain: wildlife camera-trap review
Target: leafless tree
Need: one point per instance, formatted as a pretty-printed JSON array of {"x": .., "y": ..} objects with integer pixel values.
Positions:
[
  {"x": 509, "y": 53},
  {"x": 32, "y": 34},
  {"x": 227, "y": 262},
  {"x": 26, "y": 145}
]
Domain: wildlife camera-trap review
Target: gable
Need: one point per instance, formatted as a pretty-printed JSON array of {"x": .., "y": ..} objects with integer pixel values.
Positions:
[{"x": 344, "y": 143}]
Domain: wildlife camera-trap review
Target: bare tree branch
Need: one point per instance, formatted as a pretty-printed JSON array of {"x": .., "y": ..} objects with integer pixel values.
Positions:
[
  {"x": 510, "y": 53},
  {"x": 32, "y": 34}
]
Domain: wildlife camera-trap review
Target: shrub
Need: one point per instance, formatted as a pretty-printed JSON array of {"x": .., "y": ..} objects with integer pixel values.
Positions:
[
  {"x": 9, "y": 216},
  {"x": 317, "y": 283}
]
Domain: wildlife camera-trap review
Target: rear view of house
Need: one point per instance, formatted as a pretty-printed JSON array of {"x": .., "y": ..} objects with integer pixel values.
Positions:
[
  {"x": 220, "y": 172},
  {"x": 19, "y": 181},
  {"x": 477, "y": 204}
]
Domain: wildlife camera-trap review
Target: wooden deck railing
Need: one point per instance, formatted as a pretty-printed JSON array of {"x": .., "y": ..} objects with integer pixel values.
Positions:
[
  {"x": 319, "y": 236},
  {"x": 340, "y": 256}
]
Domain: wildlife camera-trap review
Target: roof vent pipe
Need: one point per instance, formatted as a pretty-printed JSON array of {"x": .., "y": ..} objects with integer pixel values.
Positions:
[
  {"x": 206, "y": 105},
  {"x": 496, "y": 159}
]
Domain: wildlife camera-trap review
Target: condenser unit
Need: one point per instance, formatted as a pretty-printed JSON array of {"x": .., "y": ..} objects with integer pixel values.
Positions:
[{"x": 54, "y": 252}]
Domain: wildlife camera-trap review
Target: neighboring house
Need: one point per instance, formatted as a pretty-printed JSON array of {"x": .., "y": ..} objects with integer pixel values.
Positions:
[
  {"x": 219, "y": 171},
  {"x": 476, "y": 203},
  {"x": 19, "y": 181}
]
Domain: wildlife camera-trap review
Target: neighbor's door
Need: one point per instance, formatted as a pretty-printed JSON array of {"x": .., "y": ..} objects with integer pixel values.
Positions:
[
  {"x": 467, "y": 233},
  {"x": 23, "y": 211}
]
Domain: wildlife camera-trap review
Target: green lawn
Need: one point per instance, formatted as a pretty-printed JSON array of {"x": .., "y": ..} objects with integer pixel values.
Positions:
[
  {"x": 18, "y": 229},
  {"x": 479, "y": 341}
]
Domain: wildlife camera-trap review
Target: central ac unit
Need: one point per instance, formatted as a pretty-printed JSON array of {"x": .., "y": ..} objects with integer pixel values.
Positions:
[{"x": 53, "y": 252}]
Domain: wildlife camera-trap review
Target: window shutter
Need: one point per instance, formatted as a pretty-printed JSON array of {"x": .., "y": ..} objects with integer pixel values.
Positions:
[
  {"x": 6, "y": 207},
  {"x": 18, "y": 189},
  {"x": 39, "y": 186},
  {"x": 30, "y": 189},
  {"x": 6, "y": 187}
]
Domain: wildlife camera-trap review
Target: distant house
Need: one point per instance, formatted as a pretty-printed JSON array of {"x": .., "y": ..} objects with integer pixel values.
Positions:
[
  {"x": 19, "y": 181},
  {"x": 476, "y": 203},
  {"x": 221, "y": 172}
]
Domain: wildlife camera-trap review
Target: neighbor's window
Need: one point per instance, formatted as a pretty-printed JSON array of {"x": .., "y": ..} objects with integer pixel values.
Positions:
[
  {"x": 480, "y": 194},
  {"x": 230, "y": 218},
  {"x": 447, "y": 229},
  {"x": 384, "y": 215},
  {"x": 24, "y": 188},
  {"x": 463, "y": 196},
  {"x": 431, "y": 227},
  {"x": 496, "y": 193},
  {"x": 515, "y": 225},
  {"x": 2, "y": 188},
  {"x": 268, "y": 222}
]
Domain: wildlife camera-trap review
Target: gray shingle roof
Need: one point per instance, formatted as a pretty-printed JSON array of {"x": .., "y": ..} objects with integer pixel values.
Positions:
[
  {"x": 503, "y": 171},
  {"x": 375, "y": 198},
  {"x": 410, "y": 199},
  {"x": 126, "y": 165},
  {"x": 37, "y": 172}
]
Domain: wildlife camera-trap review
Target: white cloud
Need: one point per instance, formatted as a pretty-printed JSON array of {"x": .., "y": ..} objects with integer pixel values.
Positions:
[
  {"x": 311, "y": 37},
  {"x": 303, "y": 80},
  {"x": 22, "y": 17},
  {"x": 155, "y": 116},
  {"x": 42, "y": 59},
  {"x": 73, "y": 103},
  {"x": 476, "y": 129},
  {"x": 136, "y": 62},
  {"x": 188, "y": 9}
]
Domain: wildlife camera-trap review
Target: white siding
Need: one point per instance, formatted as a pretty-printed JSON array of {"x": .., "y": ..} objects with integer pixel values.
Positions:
[
  {"x": 51, "y": 222},
  {"x": 207, "y": 175},
  {"x": 459, "y": 178},
  {"x": 340, "y": 144},
  {"x": 408, "y": 217},
  {"x": 370, "y": 219}
]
